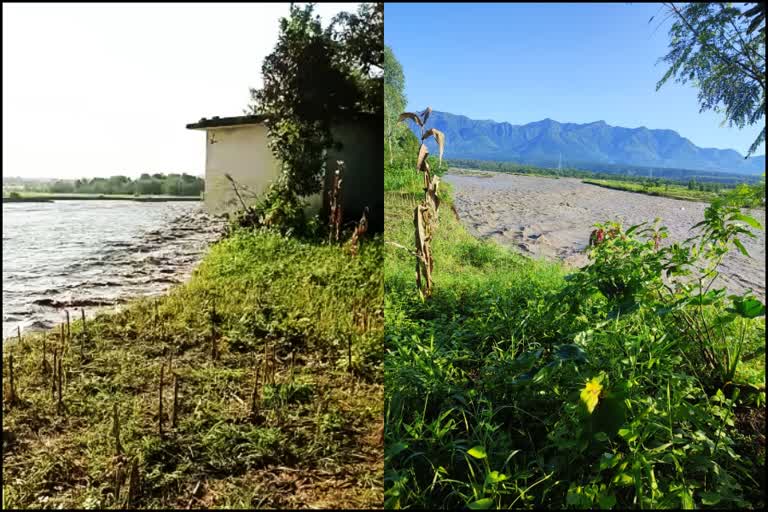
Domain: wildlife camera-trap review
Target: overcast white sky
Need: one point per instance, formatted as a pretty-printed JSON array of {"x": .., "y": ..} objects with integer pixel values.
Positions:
[{"x": 103, "y": 89}]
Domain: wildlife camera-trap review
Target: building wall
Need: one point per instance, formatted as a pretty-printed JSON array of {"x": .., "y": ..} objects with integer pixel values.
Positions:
[{"x": 242, "y": 152}]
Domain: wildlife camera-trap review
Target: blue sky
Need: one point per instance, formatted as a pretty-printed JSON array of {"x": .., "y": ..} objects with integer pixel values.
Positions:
[{"x": 569, "y": 62}]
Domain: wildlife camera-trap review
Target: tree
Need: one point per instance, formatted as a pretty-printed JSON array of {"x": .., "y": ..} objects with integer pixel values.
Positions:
[
  {"x": 310, "y": 78},
  {"x": 394, "y": 97},
  {"x": 720, "y": 49}
]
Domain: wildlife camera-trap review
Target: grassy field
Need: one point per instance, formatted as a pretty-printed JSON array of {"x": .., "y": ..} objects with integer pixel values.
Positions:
[
  {"x": 314, "y": 438},
  {"x": 42, "y": 197},
  {"x": 513, "y": 387},
  {"x": 673, "y": 191}
]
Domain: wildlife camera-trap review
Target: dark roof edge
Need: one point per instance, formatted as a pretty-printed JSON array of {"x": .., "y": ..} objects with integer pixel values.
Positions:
[
  {"x": 216, "y": 122},
  {"x": 225, "y": 121}
]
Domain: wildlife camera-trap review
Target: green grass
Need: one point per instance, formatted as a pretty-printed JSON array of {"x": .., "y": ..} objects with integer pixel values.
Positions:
[
  {"x": 484, "y": 388},
  {"x": 673, "y": 191},
  {"x": 318, "y": 441}
]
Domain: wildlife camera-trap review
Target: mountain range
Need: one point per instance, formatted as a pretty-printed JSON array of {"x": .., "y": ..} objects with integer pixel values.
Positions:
[{"x": 545, "y": 143}]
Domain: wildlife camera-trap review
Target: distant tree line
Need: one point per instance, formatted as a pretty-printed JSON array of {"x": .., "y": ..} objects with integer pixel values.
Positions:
[
  {"x": 147, "y": 184},
  {"x": 633, "y": 174}
]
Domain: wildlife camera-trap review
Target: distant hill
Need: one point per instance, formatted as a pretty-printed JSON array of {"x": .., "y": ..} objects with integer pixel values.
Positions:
[{"x": 541, "y": 143}]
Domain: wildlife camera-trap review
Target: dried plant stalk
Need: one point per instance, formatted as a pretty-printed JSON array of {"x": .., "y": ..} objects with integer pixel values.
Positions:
[
  {"x": 174, "y": 411},
  {"x": 335, "y": 203},
  {"x": 160, "y": 403},
  {"x": 116, "y": 430}
]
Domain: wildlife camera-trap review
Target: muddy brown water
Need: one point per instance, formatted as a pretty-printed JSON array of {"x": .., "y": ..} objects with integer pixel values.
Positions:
[
  {"x": 70, "y": 255},
  {"x": 552, "y": 218}
]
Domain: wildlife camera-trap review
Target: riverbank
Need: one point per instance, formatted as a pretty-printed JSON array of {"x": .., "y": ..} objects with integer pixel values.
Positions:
[
  {"x": 47, "y": 198},
  {"x": 486, "y": 384},
  {"x": 258, "y": 304}
]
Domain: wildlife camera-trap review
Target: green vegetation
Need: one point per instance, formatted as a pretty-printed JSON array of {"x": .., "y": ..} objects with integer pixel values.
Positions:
[
  {"x": 308, "y": 66},
  {"x": 721, "y": 50},
  {"x": 667, "y": 190},
  {"x": 630, "y": 383},
  {"x": 316, "y": 430},
  {"x": 155, "y": 184}
]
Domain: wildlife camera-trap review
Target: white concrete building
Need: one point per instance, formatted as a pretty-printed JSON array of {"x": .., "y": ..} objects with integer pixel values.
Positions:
[{"x": 238, "y": 146}]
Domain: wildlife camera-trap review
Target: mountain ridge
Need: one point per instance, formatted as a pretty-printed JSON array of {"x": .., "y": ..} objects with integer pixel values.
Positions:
[{"x": 542, "y": 142}]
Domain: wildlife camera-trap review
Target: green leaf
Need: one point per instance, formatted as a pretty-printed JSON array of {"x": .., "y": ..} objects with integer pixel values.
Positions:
[
  {"x": 570, "y": 352},
  {"x": 495, "y": 477},
  {"x": 477, "y": 452},
  {"x": 749, "y": 308},
  {"x": 481, "y": 504},
  {"x": 394, "y": 449},
  {"x": 747, "y": 219},
  {"x": 710, "y": 498},
  {"x": 623, "y": 479},
  {"x": 607, "y": 501},
  {"x": 740, "y": 247}
]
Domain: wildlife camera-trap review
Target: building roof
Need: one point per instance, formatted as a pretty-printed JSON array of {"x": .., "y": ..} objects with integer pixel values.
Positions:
[{"x": 217, "y": 122}]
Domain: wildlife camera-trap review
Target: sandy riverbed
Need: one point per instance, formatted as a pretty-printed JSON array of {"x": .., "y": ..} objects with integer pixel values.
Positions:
[{"x": 552, "y": 218}]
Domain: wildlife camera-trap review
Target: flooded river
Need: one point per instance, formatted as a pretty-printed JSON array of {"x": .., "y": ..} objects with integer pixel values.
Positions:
[{"x": 75, "y": 254}]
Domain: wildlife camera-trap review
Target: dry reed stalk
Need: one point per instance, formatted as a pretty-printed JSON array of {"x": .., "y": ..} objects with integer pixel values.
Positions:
[
  {"x": 69, "y": 331},
  {"x": 60, "y": 404},
  {"x": 174, "y": 411},
  {"x": 334, "y": 195},
  {"x": 160, "y": 403},
  {"x": 13, "y": 397},
  {"x": 18, "y": 333},
  {"x": 116, "y": 431},
  {"x": 53, "y": 374},
  {"x": 82, "y": 311},
  {"x": 133, "y": 483},
  {"x": 255, "y": 394}
]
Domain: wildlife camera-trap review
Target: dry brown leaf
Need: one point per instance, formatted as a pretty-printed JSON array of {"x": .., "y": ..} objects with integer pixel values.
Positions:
[
  {"x": 439, "y": 137},
  {"x": 410, "y": 115},
  {"x": 423, "y": 153},
  {"x": 426, "y": 113}
]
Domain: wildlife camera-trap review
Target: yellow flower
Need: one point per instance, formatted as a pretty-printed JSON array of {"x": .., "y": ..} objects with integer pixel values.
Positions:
[{"x": 591, "y": 394}]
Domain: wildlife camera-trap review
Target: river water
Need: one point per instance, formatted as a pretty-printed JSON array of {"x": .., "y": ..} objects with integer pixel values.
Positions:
[{"x": 86, "y": 254}]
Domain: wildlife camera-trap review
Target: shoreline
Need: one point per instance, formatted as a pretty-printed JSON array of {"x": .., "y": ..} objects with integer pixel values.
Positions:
[{"x": 50, "y": 198}]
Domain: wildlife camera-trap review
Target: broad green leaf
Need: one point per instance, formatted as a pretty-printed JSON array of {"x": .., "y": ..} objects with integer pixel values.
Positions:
[
  {"x": 570, "y": 352},
  {"x": 749, "y": 308},
  {"x": 481, "y": 504},
  {"x": 710, "y": 498},
  {"x": 477, "y": 452},
  {"x": 495, "y": 477}
]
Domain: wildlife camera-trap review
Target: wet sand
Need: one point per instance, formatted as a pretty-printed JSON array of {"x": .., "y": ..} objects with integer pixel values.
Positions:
[{"x": 552, "y": 218}]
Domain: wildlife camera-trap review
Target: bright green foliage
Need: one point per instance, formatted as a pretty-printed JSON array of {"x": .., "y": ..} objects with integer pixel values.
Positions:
[
  {"x": 519, "y": 386},
  {"x": 394, "y": 101},
  {"x": 711, "y": 45}
]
